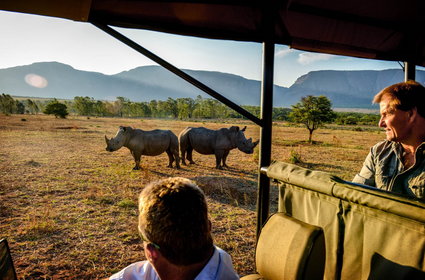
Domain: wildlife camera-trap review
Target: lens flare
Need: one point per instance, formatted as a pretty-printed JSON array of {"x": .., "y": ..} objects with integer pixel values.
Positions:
[{"x": 36, "y": 80}]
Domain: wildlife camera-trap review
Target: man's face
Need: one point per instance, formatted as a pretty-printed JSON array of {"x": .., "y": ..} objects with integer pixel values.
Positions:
[{"x": 394, "y": 121}]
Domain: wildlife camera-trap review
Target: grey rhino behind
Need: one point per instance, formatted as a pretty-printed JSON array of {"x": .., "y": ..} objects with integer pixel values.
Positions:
[
  {"x": 147, "y": 143},
  {"x": 214, "y": 142}
]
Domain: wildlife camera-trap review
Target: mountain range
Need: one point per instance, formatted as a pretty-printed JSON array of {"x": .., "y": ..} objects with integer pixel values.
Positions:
[{"x": 346, "y": 89}]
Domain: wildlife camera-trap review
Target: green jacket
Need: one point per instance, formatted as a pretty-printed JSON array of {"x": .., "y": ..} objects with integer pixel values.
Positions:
[{"x": 383, "y": 169}]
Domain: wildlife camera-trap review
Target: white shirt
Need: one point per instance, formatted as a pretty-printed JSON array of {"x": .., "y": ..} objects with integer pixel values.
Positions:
[{"x": 219, "y": 267}]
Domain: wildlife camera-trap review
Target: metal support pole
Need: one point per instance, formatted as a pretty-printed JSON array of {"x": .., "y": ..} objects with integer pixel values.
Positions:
[
  {"x": 266, "y": 135},
  {"x": 177, "y": 71},
  {"x": 409, "y": 71}
]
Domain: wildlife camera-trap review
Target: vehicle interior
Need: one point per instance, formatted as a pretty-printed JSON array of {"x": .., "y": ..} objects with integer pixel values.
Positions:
[{"x": 325, "y": 227}]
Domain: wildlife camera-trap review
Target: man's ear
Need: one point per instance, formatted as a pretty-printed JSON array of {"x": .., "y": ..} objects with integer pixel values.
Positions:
[
  {"x": 412, "y": 113},
  {"x": 152, "y": 253}
]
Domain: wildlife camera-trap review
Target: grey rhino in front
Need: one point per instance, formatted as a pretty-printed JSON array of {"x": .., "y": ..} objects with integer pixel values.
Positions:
[
  {"x": 214, "y": 142},
  {"x": 147, "y": 143}
]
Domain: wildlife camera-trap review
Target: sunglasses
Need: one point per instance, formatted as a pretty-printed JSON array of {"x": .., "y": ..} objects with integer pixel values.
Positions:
[{"x": 147, "y": 241}]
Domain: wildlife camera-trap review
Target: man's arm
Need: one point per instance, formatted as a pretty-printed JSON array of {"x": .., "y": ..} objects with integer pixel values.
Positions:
[{"x": 366, "y": 176}]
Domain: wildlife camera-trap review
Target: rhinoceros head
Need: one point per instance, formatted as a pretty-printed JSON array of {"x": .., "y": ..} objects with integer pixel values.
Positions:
[
  {"x": 243, "y": 144},
  {"x": 118, "y": 141}
]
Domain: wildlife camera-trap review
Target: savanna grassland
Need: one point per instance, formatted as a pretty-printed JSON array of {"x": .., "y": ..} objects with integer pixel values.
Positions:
[{"x": 69, "y": 208}]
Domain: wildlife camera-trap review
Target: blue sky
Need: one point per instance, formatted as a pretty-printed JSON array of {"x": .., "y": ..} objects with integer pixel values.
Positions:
[{"x": 26, "y": 39}]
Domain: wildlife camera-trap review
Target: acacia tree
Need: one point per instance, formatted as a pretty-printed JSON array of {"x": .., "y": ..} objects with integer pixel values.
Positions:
[
  {"x": 313, "y": 112},
  {"x": 56, "y": 108}
]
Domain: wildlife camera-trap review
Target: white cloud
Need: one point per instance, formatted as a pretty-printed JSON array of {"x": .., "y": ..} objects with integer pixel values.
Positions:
[
  {"x": 283, "y": 52},
  {"x": 308, "y": 58}
]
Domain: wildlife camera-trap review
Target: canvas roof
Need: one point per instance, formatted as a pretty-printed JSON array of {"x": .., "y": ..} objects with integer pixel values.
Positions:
[{"x": 378, "y": 29}]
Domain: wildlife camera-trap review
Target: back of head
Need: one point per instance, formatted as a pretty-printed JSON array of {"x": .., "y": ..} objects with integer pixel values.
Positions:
[
  {"x": 405, "y": 96},
  {"x": 173, "y": 214}
]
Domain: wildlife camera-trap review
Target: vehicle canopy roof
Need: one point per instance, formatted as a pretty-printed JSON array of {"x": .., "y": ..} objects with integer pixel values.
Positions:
[{"x": 379, "y": 29}]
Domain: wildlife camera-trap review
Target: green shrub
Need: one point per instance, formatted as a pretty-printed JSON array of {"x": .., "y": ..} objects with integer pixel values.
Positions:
[
  {"x": 256, "y": 154},
  {"x": 295, "y": 157},
  {"x": 127, "y": 204},
  {"x": 56, "y": 108}
]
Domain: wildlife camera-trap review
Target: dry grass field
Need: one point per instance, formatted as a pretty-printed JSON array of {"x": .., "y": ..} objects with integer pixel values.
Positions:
[{"x": 69, "y": 208}]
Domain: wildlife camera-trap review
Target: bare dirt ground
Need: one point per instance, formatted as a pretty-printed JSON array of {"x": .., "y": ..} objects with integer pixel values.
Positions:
[{"x": 69, "y": 208}]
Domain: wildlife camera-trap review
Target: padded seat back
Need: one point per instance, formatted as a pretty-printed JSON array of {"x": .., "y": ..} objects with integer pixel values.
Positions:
[{"x": 289, "y": 249}]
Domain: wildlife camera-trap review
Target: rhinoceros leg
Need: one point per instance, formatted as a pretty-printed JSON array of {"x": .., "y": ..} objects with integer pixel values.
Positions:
[
  {"x": 189, "y": 155},
  {"x": 218, "y": 156},
  {"x": 170, "y": 158},
  {"x": 226, "y": 153},
  {"x": 136, "y": 157},
  {"x": 177, "y": 158},
  {"x": 183, "y": 156}
]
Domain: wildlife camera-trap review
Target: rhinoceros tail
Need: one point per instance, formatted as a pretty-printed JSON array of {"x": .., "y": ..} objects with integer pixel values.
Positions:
[
  {"x": 184, "y": 139},
  {"x": 184, "y": 143}
]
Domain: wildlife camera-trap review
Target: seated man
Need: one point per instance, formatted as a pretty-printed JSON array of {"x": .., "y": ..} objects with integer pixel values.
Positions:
[
  {"x": 397, "y": 164},
  {"x": 176, "y": 234}
]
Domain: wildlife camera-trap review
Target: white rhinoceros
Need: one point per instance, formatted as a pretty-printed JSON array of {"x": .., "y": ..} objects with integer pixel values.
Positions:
[
  {"x": 214, "y": 142},
  {"x": 147, "y": 143}
]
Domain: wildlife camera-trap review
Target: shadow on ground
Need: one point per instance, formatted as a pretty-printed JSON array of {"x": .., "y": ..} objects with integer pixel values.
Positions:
[{"x": 233, "y": 191}]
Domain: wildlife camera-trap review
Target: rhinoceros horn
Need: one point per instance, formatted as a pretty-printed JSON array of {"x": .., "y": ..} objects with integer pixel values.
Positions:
[
  {"x": 255, "y": 143},
  {"x": 107, "y": 140}
]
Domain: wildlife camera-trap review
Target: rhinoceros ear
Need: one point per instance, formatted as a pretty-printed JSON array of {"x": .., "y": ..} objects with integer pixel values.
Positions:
[
  {"x": 123, "y": 128},
  {"x": 243, "y": 129}
]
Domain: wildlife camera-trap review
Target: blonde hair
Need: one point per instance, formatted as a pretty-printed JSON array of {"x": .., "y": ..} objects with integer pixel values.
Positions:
[
  {"x": 173, "y": 214},
  {"x": 404, "y": 96}
]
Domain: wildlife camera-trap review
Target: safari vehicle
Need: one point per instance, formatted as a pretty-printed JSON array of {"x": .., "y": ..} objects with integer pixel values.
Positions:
[{"x": 325, "y": 228}]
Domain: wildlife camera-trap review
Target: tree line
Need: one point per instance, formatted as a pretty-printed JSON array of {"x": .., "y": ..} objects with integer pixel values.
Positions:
[
  {"x": 180, "y": 108},
  {"x": 8, "y": 105}
]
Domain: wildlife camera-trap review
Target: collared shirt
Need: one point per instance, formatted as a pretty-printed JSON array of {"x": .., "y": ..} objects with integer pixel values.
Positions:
[
  {"x": 219, "y": 267},
  {"x": 383, "y": 169}
]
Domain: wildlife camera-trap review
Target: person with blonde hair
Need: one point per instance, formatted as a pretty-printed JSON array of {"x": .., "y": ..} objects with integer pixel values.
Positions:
[
  {"x": 176, "y": 234},
  {"x": 397, "y": 164}
]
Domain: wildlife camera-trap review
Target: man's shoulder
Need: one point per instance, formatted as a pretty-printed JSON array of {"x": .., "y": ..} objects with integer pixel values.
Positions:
[
  {"x": 227, "y": 270},
  {"x": 142, "y": 270},
  {"x": 383, "y": 146},
  {"x": 220, "y": 266}
]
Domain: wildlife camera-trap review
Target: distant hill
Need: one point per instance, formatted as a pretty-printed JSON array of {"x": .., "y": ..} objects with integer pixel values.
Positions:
[
  {"x": 346, "y": 89},
  {"x": 140, "y": 84}
]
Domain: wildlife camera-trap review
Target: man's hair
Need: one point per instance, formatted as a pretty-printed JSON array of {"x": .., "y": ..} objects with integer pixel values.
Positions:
[
  {"x": 404, "y": 96},
  {"x": 173, "y": 214}
]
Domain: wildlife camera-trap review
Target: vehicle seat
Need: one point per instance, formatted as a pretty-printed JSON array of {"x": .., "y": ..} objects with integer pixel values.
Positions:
[
  {"x": 289, "y": 249},
  {"x": 7, "y": 270}
]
